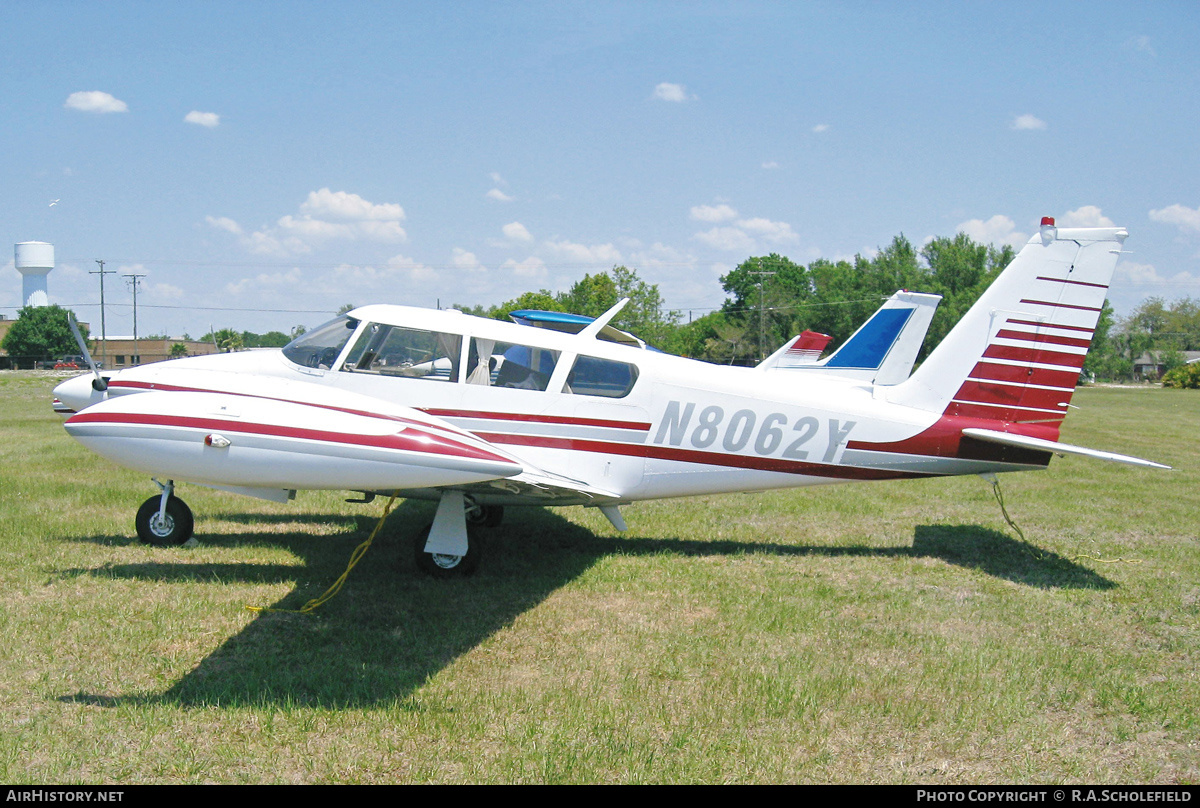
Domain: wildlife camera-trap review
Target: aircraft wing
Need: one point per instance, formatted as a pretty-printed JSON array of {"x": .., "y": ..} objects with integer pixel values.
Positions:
[
  {"x": 1009, "y": 439},
  {"x": 533, "y": 486}
]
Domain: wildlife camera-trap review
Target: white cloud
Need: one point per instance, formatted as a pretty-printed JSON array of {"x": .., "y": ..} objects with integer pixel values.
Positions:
[
  {"x": 465, "y": 260},
  {"x": 532, "y": 267},
  {"x": 713, "y": 213},
  {"x": 265, "y": 282},
  {"x": 1137, "y": 274},
  {"x": 583, "y": 254},
  {"x": 414, "y": 270},
  {"x": 497, "y": 179},
  {"x": 776, "y": 232},
  {"x": 224, "y": 223},
  {"x": 166, "y": 291},
  {"x": 499, "y": 195},
  {"x": 324, "y": 216},
  {"x": 671, "y": 92},
  {"x": 821, "y": 127},
  {"x": 208, "y": 119},
  {"x": 1027, "y": 121},
  {"x": 1086, "y": 216},
  {"x": 309, "y": 229},
  {"x": 998, "y": 229},
  {"x": 350, "y": 207},
  {"x": 726, "y": 238},
  {"x": 1186, "y": 219},
  {"x": 515, "y": 231},
  {"x": 743, "y": 235},
  {"x": 95, "y": 101},
  {"x": 770, "y": 164}
]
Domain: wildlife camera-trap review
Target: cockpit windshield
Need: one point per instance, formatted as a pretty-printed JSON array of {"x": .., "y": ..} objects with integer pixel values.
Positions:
[{"x": 321, "y": 347}]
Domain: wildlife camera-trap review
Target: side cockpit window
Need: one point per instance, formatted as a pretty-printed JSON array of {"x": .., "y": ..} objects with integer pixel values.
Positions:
[
  {"x": 321, "y": 347},
  {"x": 591, "y": 376},
  {"x": 503, "y": 364},
  {"x": 392, "y": 350}
]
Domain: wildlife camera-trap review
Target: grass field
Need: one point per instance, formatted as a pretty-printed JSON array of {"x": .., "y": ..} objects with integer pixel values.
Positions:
[{"x": 883, "y": 632}]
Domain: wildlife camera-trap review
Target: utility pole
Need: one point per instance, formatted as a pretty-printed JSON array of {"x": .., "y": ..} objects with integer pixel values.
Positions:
[
  {"x": 762, "y": 310},
  {"x": 135, "y": 280},
  {"x": 103, "y": 335}
]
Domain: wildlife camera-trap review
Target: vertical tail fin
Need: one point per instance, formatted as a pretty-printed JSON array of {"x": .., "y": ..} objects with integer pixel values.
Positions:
[
  {"x": 881, "y": 351},
  {"x": 1016, "y": 354}
]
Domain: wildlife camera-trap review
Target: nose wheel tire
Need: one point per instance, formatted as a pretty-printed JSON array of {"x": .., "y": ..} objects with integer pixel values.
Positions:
[
  {"x": 448, "y": 566},
  {"x": 168, "y": 530}
]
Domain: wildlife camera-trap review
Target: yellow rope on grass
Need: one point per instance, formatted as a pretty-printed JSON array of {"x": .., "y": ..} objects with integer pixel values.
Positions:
[
  {"x": 995, "y": 481},
  {"x": 355, "y": 557}
]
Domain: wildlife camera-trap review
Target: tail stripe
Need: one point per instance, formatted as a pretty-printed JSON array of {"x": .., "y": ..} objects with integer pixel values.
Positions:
[
  {"x": 1023, "y": 374},
  {"x": 1040, "y": 356},
  {"x": 1048, "y": 398},
  {"x": 1059, "y": 305},
  {"x": 1053, "y": 325},
  {"x": 1074, "y": 283},
  {"x": 1074, "y": 342},
  {"x": 1000, "y": 412}
]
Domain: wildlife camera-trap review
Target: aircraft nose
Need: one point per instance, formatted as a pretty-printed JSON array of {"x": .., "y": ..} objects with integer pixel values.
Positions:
[{"x": 78, "y": 393}]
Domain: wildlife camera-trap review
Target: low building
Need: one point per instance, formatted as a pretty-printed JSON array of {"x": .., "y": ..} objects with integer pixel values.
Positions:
[
  {"x": 122, "y": 352},
  {"x": 1151, "y": 365}
]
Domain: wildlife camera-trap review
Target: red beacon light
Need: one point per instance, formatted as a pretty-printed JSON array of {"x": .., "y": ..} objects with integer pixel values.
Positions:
[{"x": 1049, "y": 232}]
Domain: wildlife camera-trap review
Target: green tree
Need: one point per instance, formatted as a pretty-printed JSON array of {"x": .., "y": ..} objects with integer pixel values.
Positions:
[
  {"x": 41, "y": 332},
  {"x": 178, "y": 350}
]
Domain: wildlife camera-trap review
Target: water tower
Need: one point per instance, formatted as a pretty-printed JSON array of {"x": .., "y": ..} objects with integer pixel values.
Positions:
[{"x": 34, "y": 260}]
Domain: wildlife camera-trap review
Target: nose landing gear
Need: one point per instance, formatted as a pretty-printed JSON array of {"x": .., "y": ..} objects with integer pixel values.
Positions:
[{"x": 164, "y": 520}]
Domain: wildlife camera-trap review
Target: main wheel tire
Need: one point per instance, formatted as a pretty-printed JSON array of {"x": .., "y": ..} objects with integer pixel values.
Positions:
[
  {"x": 447, "y": 566},
  {"x": 174, "y": 528}
]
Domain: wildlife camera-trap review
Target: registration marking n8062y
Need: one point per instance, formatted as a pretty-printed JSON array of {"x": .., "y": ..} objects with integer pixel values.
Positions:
[{"x": 771, "y": 435}]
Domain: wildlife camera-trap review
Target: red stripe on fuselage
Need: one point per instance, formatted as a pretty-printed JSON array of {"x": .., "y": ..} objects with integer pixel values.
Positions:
[
  {"x": 156, "y": 387},
  {"x": 641, "y": 426},
  {"x": 945, "y": 439},
  {"x": 421, "y": 442},
  {"x": 652, "y": 451}
]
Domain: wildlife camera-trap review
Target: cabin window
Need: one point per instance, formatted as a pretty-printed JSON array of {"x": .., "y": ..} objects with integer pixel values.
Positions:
[
  {"x": 504, "y": 364},
  {"x": 592, "y": 376},
  {"x": 320, "y": 347},
  {"x": 391, "y": 350}
]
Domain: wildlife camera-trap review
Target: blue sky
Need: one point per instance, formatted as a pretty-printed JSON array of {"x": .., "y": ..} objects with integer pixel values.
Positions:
[{"x": 287, "y": 158}]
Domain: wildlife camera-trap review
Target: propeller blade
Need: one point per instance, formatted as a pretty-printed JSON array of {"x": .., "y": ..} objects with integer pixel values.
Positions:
[{"x": 100, "y": 383}]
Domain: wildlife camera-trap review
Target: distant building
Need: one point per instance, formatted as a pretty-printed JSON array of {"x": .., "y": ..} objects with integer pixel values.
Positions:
[
  {"x": 1152, "y": 365},
  {"x": 123, "y": 352}
]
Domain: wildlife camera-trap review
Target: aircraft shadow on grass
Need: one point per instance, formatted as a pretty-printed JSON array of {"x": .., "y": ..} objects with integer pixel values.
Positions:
[{"x": 391, "y": 629}]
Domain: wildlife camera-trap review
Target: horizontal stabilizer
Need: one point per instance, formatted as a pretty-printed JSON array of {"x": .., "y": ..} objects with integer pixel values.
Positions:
[{"x": 1009, "y": 439}]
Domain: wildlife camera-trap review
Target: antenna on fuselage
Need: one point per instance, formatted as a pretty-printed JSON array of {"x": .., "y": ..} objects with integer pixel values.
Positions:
[{"x": 593, "y": 328}]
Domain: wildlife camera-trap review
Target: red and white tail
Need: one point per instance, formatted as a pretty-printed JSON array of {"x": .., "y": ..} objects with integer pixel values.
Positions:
[{"x": 1016, "y": 355}]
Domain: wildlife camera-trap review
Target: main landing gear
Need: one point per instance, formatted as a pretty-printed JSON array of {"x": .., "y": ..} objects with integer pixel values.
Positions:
[
  {"x": 453, "y": 545},
  {"x": 164, "y": 520}
]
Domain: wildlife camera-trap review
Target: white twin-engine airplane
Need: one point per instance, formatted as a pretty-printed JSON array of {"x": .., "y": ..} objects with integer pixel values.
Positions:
[{"x": 557, "y": 409}]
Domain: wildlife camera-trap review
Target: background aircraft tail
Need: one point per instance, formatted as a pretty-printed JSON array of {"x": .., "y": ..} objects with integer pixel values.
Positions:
[
  {"x": 881, "y": 351},
  {"x": 1016, "y": 355}
]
